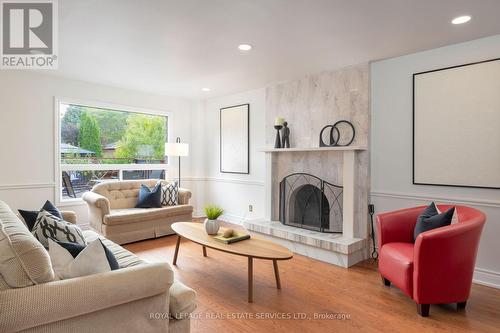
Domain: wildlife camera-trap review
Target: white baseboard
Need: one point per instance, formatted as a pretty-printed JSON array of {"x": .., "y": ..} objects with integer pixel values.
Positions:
[
  {"x": 231, "y": 218},
  {"x": 486, "y": 278}
]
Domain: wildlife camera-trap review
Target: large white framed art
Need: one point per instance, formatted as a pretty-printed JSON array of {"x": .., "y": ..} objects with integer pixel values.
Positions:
[
  {"x": 234, "y": 139},
  {"x": 456, "y": 126}
]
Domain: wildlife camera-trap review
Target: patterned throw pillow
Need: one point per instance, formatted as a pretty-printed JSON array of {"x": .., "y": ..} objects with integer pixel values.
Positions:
[
  {"x": 49, "y": 226},
  {"x": 170, "y": 194},
  {"x": 30, "y": 216}
]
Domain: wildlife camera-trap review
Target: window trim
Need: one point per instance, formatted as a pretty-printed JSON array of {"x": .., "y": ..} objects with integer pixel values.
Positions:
[{"x": 59, "y": 167}]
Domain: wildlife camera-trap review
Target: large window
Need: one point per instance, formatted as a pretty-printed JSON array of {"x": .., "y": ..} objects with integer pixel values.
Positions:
[{"x": 99, "y": 144}]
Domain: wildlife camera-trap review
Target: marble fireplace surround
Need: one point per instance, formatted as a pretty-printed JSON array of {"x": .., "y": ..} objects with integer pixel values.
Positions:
[
  {"x": 309, "y": 104},
  {"x": 344, "y": 249}
]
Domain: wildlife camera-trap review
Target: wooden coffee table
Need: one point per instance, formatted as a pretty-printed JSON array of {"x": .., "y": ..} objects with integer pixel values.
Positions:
[{"x": 253, "y": 248}]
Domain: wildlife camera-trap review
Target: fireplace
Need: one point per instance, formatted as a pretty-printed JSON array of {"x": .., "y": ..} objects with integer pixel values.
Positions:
[{"x": 309, "y": 202}]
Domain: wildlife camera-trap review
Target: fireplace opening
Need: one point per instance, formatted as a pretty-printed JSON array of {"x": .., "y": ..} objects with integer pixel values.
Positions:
[{"x": 309, "y": 202}]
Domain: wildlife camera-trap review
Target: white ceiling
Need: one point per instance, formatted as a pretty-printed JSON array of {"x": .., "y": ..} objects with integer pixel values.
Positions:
[{"x": 178, "y": 47}]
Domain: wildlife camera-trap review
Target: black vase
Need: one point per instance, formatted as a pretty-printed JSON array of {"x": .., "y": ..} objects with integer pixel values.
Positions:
[{"x": 277, "y": 142}]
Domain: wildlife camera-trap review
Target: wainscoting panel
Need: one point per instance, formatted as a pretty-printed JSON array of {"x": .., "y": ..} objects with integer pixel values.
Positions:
[{"x": 26, "y": 196}]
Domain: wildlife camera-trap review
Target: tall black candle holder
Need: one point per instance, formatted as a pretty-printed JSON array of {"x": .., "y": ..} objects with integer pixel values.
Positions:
[{"x": 277, "y": 142}]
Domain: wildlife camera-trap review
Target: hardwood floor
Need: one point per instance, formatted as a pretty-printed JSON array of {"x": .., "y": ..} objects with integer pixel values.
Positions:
[{"x": 356, "y": 295}]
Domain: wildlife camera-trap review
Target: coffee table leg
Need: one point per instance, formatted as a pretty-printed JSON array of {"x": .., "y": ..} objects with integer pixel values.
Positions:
[
  {"x": 204, "y": 251},
  {"x": 277, "y": 274},
  {"x": 250, "y": 279},
  {"x": 177, "y": 249}
]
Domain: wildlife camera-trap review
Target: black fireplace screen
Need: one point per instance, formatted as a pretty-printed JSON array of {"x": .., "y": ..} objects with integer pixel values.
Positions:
[{"x": 309, "y": 202}]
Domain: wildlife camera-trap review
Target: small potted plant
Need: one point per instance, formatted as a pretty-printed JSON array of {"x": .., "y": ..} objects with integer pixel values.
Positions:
[{"x": 212, "y": 225}]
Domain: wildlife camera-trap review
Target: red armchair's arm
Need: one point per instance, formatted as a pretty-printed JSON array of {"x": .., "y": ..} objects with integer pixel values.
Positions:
[
  {"x": 397, "y": 226},
  {"x": 444, "y": 260}
]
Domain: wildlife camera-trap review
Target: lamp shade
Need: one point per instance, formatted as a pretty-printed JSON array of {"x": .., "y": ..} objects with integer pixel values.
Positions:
[{"x": 176, "y": 149}]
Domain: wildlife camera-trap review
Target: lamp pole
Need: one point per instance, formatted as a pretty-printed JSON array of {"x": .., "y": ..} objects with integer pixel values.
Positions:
[{"x": 178, "y": 140}]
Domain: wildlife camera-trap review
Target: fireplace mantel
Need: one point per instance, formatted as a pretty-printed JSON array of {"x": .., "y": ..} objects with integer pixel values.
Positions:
[{"x": 326, "y": 149}]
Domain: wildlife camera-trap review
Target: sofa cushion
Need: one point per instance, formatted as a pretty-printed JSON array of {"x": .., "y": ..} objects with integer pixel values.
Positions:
[
  {"x": 131, "y": 215},
  {"x": 23, "y": 260},
  {"x": 124, "y": 257},
  {"x": 396, "y": 265},
  {"x": 124, "y": 193},
  {"x": 182, "y": 300}
]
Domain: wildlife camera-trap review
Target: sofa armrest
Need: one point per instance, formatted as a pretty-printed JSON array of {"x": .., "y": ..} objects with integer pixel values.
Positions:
[
  {"x": 63, "y": 299},
  {"x": 184, "y": 196},
  {"x": 182, "y": 301},
  {"x": 97, "y": 200},
  {"x": 397, "y": 226},
  {"x": 69, "y": 216},
  {"x": 99, "y": 206},
  {"x": 443, "y": 263}
]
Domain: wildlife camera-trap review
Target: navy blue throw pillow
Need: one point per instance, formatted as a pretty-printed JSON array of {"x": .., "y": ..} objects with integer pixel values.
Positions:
[
  {"x": 74, "y": 249},
  {"x": 431, "y": 219},
  {"x": 149, "y": 198},
  {"x": 30, "y": 216}
]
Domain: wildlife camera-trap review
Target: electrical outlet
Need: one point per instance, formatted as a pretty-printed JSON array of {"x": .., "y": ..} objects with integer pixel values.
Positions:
[{"x": 250, "y": 208}]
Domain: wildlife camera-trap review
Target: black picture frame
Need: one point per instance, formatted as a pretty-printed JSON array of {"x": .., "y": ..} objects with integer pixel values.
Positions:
[
  {"x": 414, "y": 182},
  {"x": 247, "y": 171}
]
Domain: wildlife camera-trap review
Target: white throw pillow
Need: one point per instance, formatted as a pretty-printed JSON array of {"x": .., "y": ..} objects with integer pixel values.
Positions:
[
  {"x": 49, "y": 226},
  {"x": 91, "y": 260}
]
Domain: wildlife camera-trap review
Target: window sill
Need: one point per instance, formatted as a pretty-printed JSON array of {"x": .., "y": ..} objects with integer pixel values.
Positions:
[{"x": 71, "y": 202}]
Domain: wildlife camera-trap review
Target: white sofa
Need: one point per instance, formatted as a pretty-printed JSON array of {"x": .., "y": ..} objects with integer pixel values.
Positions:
[{"x": 138, "y": 297}]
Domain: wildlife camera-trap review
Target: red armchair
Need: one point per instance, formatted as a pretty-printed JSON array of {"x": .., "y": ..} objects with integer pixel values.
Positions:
[{"x": 438, "y": 267}]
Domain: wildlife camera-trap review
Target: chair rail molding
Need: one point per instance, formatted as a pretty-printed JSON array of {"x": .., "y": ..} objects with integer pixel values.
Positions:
[
  {"x": 225, "y": 180},
  {"x": 26, "y": 186},
  {"x": 429, "y": 197}
]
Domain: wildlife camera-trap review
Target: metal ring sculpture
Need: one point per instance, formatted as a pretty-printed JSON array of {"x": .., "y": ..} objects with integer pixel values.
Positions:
[{"x": 335, "y": 135}]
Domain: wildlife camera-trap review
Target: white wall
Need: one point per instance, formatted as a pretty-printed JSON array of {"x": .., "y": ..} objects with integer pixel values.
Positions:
[
  {"x": 27, "y": 143},
  {"x": 391, "y": 144},
  {"x": 233, "y": 192},
  {"x": 27, "y": 114}
]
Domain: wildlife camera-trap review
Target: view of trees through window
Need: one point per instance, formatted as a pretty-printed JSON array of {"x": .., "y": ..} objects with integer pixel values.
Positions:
[{"x": 93, "y": 137}]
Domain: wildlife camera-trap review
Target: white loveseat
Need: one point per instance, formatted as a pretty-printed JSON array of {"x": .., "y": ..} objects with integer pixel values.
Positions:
[{"x": 112, "y": 212}]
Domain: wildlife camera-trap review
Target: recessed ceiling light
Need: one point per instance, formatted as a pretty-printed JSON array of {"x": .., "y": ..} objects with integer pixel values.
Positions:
[
  {"x": 205, "y": 89},
  {"x": 244, "y": 47},
  {"x": 461, "y": 19}
]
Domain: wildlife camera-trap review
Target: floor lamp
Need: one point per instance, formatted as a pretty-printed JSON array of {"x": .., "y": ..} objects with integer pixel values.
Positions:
[{"x": 177, "y": 149}]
